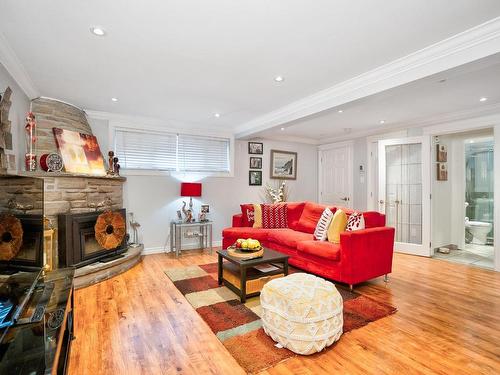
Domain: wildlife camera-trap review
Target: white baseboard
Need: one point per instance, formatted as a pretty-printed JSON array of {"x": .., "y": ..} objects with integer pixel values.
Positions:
[{"x": 161, "y": 249}]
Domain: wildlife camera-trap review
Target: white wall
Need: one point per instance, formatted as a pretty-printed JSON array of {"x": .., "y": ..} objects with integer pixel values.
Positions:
[
  {"x": 155, "y": 199},
  {"x": 18, "y": 110}
]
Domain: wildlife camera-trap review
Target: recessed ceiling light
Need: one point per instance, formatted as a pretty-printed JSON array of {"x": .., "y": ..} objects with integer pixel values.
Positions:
[
  {"x": 282, "y": 129},
  {"x": 279, "y": 79},
  {"x": 114, "y": 99},
  {"x": 382, "y": 121},
  {"x": 217, "y": 115},
  {"x": 340, "y": 111},
  {"x": 99, "y": 31},
  {"x": 483, "y": 99}
]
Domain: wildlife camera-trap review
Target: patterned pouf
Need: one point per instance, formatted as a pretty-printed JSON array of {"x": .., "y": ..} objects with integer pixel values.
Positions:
[{"x": 302, "y": 312}]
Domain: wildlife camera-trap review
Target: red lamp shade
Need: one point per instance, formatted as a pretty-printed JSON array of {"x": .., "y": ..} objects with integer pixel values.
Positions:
[{"x": 190, "y": 189}]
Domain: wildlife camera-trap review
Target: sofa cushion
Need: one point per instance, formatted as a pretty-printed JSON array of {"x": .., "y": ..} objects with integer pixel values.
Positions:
[
  {"x": 337, "y": 226},
  {"x": 320, "y": 233},
  {"x": 257, "y": 216},
  {"x": 374, "y": 219},
  {"x": 322, "y": 249},
  {"x": 294, "y": 211},
  {"x": 310, "y": 217},
  {"x": 247, "y": 215},
  {"x": 274, "y": 215},
  {"x": 288, "y": 237},
  {"x": 246, "y": 232},
  {"x": 356, "y": 222}
]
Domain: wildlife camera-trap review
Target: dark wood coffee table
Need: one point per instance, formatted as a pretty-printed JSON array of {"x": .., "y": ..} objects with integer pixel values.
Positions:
[{"x": 241, "y": 275}]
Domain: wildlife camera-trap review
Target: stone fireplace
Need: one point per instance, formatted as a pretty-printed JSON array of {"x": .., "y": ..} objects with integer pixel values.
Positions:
[{"x": 70, "y": 195}]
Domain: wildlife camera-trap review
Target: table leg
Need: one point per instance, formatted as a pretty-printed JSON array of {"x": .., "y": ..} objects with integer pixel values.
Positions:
[
  {"x": 219, "y": 269},
  {"x": 178, "y": 242},
  {"x": 243, "y": 285},
  {"x": 171, "y": 236},
  {"x": 211, "y": 240}
]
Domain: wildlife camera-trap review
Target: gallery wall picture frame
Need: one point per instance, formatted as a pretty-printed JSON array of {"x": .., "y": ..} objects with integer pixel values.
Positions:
[
  {"x": 255, "y": 178},
  {"x": 442, "y": 171},
  {"x": 441, "y": 153},
  {"x": 283, "y": 165},
  {"x": 255, "y": 162},
  {"x": 255, "y": 148}
]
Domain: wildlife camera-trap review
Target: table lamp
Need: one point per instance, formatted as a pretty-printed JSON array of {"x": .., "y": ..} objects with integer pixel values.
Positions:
[{"x": 189, "y": 189}]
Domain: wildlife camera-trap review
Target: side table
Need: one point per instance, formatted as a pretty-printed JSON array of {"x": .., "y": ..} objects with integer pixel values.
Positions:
[{"x": 204, "y": 235}]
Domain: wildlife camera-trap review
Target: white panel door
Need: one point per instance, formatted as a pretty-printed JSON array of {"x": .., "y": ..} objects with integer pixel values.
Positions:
[
  {"x": 336, "y": 175},
  {"x": 404, "y": 192}
]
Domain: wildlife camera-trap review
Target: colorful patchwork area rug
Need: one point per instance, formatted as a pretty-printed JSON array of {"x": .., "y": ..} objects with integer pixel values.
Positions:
[{"x": 238, "y": 326}]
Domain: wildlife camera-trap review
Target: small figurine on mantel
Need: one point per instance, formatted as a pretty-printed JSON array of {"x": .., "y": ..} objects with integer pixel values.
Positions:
[{"x": 114, "y": 167}]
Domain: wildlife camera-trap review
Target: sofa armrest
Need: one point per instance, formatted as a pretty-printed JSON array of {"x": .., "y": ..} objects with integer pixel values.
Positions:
[
  {"x": 237, "y": 220},
  {"x": 366, "y": 253}
]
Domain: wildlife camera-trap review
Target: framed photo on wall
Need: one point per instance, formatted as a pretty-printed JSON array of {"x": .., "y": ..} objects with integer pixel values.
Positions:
[
  {"x": 255, "y": 178},
  {"x": 255, "y": 148},
  {"x": 255, "y": 163},
  {"x": 442, "y": 172},
  {"x": 283, "y": 165},
  {"x": 441, "y": 153}
]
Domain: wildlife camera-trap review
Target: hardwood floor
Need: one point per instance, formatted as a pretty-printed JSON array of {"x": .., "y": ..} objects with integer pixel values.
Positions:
[{"x": 448, "y": 323}]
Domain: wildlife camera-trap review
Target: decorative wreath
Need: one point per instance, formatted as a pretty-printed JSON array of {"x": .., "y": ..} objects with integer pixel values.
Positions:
[
  {"x": 110, "y": 229},
  {"x": 11, "y": 236}
]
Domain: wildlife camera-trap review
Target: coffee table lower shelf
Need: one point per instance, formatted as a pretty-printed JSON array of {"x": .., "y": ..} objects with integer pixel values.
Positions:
[{"x": 248, "y": 282}]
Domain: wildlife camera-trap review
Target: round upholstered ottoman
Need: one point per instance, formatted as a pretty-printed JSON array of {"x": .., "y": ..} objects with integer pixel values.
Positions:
[{"x": 302, "y": 312}]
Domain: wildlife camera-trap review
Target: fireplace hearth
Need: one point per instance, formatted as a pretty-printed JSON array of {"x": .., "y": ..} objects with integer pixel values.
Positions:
[{"x": 78, "y": 245}]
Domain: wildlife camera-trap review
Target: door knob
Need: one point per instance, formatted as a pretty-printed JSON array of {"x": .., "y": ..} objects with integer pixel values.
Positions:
[
  {"x": 381, "y": 201},
  {"x": 345, "y": 199}
]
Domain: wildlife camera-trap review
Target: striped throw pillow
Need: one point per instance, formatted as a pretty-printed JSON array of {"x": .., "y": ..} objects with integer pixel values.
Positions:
[
  {"x": 274, "y": 215},
  {"x": 320, "y": 233}
]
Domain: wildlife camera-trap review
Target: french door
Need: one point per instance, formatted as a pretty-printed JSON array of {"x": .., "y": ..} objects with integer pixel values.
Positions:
[{"x": 404, "y": 192}]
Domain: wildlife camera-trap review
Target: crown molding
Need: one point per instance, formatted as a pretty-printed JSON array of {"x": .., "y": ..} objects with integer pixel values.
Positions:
[
  {"x": 485, "y": 116},
  {"x": 475, "y": 43},
  {"x": 11, "y": 62}
]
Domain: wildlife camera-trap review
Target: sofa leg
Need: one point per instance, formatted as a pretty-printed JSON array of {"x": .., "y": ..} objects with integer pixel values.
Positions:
[
  {"x": 386, "y": 278},
  {"x": 351, "y": 287}
]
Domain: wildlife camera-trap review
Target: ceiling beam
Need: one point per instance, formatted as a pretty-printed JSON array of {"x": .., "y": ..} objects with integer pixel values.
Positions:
[{"x": 473, "y": 44}]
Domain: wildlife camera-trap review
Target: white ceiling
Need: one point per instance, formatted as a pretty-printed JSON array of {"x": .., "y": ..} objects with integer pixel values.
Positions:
[
  {"x": 186, "y": 60},
  {"x": 407, "y": 105}
]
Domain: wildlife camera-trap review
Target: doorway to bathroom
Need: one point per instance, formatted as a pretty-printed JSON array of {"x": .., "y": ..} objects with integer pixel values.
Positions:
[{"x": 463, "y": 198}]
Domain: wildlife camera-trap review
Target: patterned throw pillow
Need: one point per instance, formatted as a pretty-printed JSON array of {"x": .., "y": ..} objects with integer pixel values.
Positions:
[
  {"x": 257, "y": 216},
  {"x": 320, "y": 233},
  {"x": 356, "y": 222},
  {"x": 274, "y": 215},
  {"x": 247, "y": 215}
]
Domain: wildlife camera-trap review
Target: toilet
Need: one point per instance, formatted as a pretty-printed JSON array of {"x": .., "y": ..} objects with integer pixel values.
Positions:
[{"x": 479, "y": 230}]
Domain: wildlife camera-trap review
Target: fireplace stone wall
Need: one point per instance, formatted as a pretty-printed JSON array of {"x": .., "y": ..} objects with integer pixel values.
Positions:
[{"x": 55, "y": 114}]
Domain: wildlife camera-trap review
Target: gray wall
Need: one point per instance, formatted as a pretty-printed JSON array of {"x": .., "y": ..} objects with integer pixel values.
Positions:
[{"x": 155, "y": 199}]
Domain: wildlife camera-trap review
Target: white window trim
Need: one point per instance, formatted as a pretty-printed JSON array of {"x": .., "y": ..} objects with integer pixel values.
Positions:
[{"x": 117, "y": 125}]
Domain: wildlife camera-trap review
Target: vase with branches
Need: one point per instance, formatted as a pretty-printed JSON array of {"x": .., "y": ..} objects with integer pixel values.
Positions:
[{"x": 278, "y": 194}]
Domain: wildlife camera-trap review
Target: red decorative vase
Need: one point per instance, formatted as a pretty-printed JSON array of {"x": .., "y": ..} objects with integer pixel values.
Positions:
[{"x": 30, "y": 162}]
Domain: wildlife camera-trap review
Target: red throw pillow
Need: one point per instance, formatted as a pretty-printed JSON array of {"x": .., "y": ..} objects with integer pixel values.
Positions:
[
  {"x": 274, "y": 215},
  {"x": 247, "y": 213}
]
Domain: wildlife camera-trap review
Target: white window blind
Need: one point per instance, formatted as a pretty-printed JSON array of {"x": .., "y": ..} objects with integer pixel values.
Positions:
[
  {"x": 203, "y": 154},
  {"x": 171, "y": 152},
  {"x": 140, "y": 150}
]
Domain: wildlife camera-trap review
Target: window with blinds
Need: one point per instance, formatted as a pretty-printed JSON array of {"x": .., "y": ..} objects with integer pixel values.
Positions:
[{"x": 171, "y": 152}]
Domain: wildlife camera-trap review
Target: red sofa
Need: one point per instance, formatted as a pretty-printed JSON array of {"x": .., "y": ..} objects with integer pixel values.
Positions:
[{"x": 360, "y": 256}]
